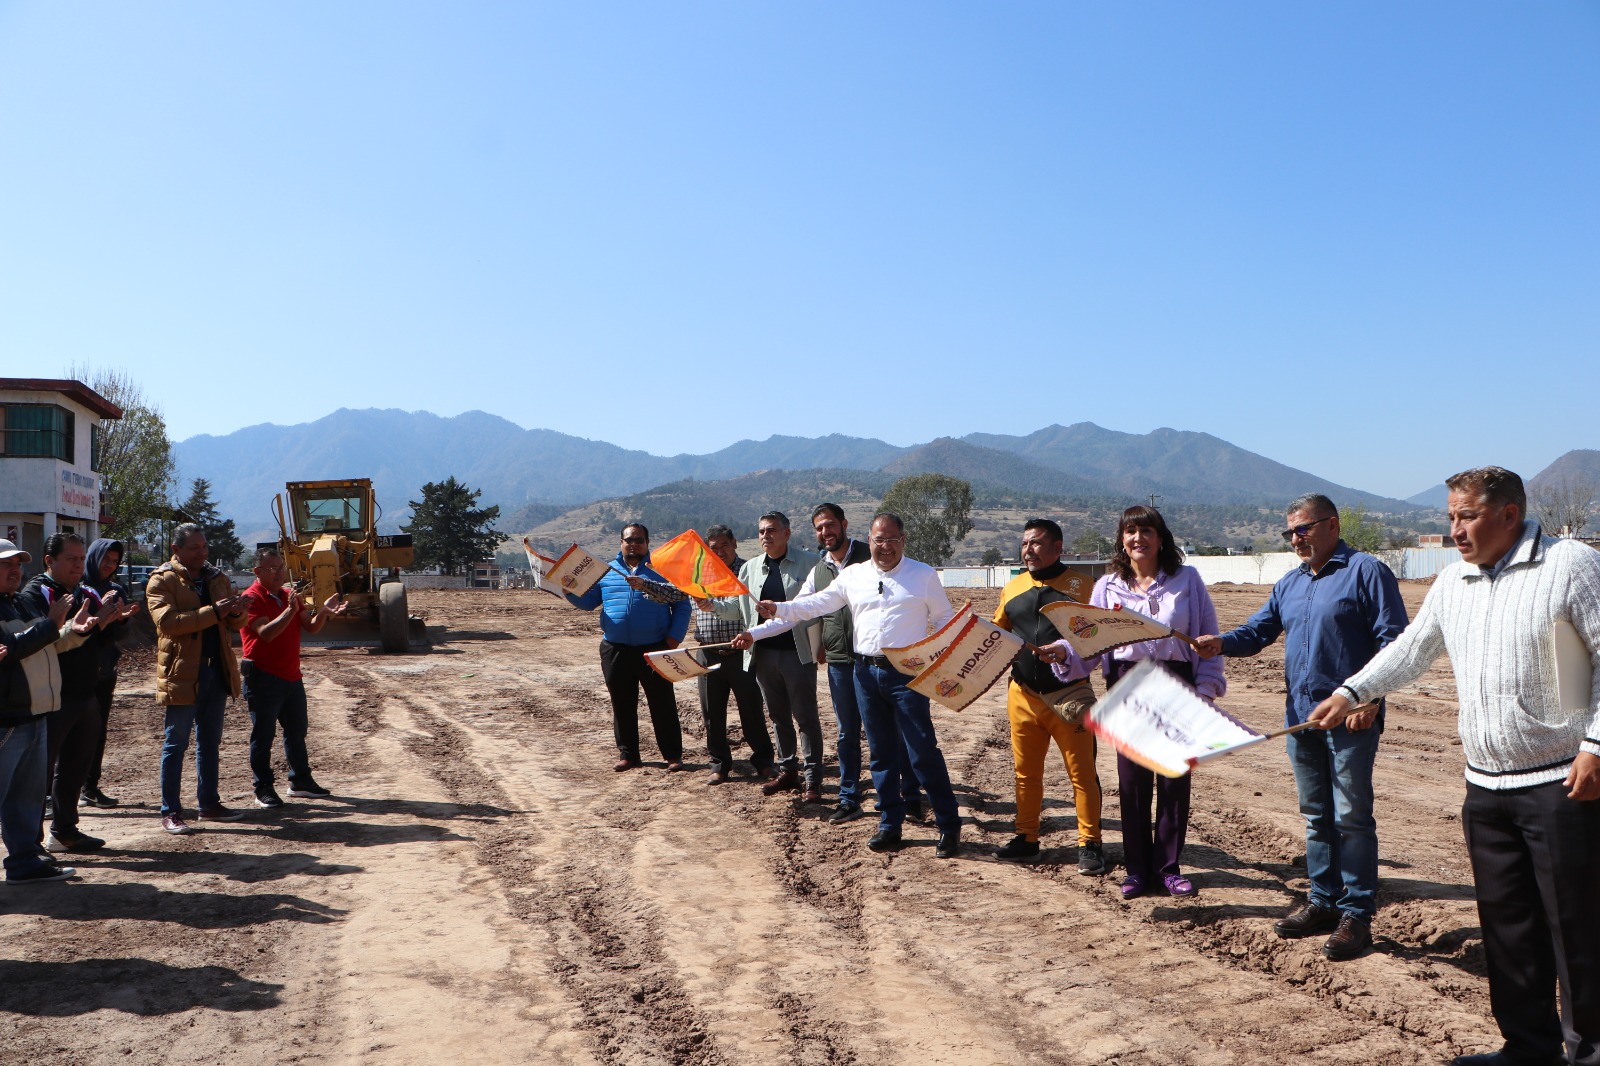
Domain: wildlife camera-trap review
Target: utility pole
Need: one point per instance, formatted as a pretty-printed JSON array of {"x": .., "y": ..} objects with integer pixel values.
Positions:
[{"x": 1154, "y": 500}]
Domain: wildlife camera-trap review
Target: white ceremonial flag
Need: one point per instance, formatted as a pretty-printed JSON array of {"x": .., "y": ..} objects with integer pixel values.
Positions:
[
  {"x": 573, "y": 574},
  {"x": 914, "y": 658},
  {"x": 979, "y": 656},
  {"x": 540, "y": 566},
  {"x": 678, "y": 664},
  {"x": 1092, "y": 630},
  {"x": 1163, "y": 724}
]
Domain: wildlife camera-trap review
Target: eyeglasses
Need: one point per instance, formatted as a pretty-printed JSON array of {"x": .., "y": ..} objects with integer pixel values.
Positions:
[
  {"x": 1304, "y": 530},
  {"x": 884, "y": 542}
]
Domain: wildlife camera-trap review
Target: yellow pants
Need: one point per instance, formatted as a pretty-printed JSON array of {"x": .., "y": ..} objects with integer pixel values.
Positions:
[{"x": 1033, "y": 724}]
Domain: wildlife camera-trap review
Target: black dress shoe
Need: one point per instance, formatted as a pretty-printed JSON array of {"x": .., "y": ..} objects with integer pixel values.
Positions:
[
  {"x": 1308, "y": 919},
  {"x": 914, "y": 811},
  {"x": 1352, "y": 938},
  {"x": 884, "y": 840},
  {"x": 949, "y": 846}
]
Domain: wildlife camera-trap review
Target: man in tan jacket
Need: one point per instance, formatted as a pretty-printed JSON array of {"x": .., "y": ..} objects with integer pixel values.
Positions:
[{"x": 195, "y": 613}]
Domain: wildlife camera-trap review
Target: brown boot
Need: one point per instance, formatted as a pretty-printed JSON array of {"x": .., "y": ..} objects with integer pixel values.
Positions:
[
  {"x": 788, "y": 781},
  {"x": 1352, "y": 938}
]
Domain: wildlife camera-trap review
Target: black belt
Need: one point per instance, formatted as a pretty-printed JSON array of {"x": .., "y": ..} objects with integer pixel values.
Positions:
[{"x": 880, "y": 661}]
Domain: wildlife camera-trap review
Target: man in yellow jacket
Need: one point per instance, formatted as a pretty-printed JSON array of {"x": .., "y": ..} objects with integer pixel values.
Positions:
[
  {"x": 1033, "y": 720},
  {"x": 195, "y": 612}
]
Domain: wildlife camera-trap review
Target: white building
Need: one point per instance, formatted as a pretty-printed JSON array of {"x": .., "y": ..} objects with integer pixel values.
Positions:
[{"x": 49, "y": 460}]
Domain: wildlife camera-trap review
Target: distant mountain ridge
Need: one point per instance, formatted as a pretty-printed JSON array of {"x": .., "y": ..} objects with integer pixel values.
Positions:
[{"x": 514, "y": 467}]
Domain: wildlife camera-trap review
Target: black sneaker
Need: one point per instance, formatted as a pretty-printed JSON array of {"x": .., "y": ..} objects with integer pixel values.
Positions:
[
  {"x": 266, "y": 797},
  {"x": 93, "y": 797},
  {"x": 40, "y": 874},
  {"x": 308, "y": 790},
  {"x": 1091, "y": 859},
  {"x": 845, "y": 812},
  {"x": 58, "y": 842},
  {"x": 1018, "y": 847}
]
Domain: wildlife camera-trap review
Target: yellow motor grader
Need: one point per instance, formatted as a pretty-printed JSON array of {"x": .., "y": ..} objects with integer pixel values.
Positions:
[{"x": 330, "y": 543}]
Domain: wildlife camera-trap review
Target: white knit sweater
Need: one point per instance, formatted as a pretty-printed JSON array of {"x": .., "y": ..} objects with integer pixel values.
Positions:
[{"x": 1499, "y": 635}]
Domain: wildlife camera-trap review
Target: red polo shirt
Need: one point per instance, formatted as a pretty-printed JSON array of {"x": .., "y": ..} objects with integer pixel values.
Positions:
[{"x": 279, "y": 656}]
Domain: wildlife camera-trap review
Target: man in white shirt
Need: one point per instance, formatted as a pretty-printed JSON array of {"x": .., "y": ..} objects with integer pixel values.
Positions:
[{"x": 893, "y": 601}]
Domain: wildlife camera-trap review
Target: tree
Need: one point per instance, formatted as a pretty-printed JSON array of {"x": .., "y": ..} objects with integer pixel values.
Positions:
[
  {"x": 1092, "y": 542},
  {"x": 992, "y": 557},
  {"x": 935, "y": 509},
  {"x": 137, "y": 470},
  {"x": 225, "y": 548},
  {"x": 449, "y": 532},
  {"x": 1361, "y": 531},
  {"x": 1564, "y": 507}
]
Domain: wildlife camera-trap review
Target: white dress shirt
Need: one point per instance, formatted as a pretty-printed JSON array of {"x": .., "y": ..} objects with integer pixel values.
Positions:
[{"x": 889, "y": 608}]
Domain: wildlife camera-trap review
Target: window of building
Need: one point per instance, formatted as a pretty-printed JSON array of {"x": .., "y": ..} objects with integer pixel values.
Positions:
[{"x": 40, "y": 430}]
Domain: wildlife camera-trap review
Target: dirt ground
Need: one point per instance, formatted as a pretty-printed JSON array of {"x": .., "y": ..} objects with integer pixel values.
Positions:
[{"x": 482, "y": 888}]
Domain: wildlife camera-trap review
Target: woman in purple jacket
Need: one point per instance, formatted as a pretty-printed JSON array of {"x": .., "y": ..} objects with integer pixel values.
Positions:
[{"x": 1148, "y": 576}]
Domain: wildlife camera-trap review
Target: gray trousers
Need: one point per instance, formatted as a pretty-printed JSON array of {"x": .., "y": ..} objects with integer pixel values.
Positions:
[{"x": 790, "y": 688}]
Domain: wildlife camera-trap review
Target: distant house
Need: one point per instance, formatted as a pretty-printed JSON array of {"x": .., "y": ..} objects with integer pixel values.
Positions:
[
  {"x": 50, "y": 460},
  {"x": 1434, "y": 540},
  {"x": 485, "y": 575}
]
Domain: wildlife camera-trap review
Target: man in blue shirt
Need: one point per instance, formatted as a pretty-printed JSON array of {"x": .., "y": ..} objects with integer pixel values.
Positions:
[
  {"x": 1335, "y": 611},
  {"x": 631, "y": 624}
]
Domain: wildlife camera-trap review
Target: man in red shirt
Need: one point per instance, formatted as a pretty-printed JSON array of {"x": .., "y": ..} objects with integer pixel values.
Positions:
[{"x": 273, "y": 689}]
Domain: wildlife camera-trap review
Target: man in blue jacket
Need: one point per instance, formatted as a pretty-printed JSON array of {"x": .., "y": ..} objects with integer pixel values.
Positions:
[
  {"x": 631, "y": 624},
  {"x": 1335, "y": 611}
]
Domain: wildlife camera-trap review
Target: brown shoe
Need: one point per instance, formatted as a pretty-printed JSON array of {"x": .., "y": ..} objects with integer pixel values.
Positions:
[
  {"x": 1352, "y": 938},
  {"x": 625, "y": 764},
  {"x": 718, "y": 778},
  {"x": 1308, "y": 919},
  {"x": 811, "y": 795},
  {"x": 674, "y": 766},
  {"x": 788, "y": 781}
]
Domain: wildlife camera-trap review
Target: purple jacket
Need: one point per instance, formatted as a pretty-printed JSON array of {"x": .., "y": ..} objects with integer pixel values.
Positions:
[{"x": 1179, "y": 601}]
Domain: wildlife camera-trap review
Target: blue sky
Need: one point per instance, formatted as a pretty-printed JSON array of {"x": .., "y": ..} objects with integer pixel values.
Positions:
[{"x": 1362, "y": 239}]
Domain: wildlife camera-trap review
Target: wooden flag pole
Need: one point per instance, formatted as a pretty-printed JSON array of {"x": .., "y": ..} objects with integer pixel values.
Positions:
[{"x": 1313, "y": 725}]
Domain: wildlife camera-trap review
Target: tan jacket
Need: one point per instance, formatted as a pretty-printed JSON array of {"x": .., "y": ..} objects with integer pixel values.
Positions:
[{"x": 180, "y": 621}]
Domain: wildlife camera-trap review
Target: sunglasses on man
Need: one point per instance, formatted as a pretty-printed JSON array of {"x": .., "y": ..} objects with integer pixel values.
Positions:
[{"x": 1304, "y": 530}]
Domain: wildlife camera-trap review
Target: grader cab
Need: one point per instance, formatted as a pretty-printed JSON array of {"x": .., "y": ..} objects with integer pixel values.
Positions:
[{"x": 330, "y": 543}]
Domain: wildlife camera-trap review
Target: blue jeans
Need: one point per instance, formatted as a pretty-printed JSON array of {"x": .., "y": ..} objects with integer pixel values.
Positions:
[
  {"x": 1333, "y": 773},
  {"x": 23, "y": 769},
  {"x": 274, "y": 701},
  {"x": 897, "y": 717},
  {"x": 847, "y": 710},
  {"x": 204, "y": 718}
]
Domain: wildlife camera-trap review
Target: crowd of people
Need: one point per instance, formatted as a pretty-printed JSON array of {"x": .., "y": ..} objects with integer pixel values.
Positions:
[
  {"x": 1532, "y": 810},
  {"x": 1531, "y": 814},
  {"x": 60, "y": 649}
]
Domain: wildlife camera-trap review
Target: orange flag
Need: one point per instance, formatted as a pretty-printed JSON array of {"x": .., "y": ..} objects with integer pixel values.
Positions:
[{"x": 688, "y": 562}]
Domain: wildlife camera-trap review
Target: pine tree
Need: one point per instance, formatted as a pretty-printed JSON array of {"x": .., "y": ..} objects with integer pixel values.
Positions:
[
  {"x": 447, "y": 531},
  {"x": 225, "y": 548}
]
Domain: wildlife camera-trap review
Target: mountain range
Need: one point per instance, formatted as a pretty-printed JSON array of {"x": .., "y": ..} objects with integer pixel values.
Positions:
[{"x": 546, "y": 472}]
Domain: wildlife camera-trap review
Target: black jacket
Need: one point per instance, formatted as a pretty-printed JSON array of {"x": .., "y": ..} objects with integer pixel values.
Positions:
[
  {"x": 24, "y": 635},
  {"x": 80, "y": 667}
]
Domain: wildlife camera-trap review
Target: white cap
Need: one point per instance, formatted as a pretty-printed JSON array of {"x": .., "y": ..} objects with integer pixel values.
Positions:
[{"x": 9, "y": 550}]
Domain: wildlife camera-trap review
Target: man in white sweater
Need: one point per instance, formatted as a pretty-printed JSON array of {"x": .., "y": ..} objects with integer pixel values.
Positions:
[{"x": 1532, "y": 811}]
